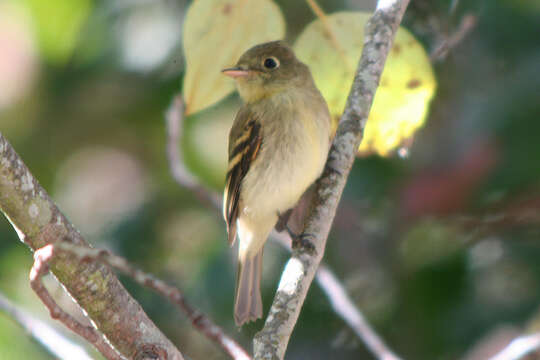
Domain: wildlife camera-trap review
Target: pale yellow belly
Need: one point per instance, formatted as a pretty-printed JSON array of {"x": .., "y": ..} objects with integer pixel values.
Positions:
[{"x": 286, "y": 167}]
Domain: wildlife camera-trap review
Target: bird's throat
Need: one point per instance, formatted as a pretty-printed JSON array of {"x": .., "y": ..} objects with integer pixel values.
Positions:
[{"x": 254, "y": 91}]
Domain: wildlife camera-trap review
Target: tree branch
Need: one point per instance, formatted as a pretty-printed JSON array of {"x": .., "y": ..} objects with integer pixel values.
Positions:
[
  {"x": 93, "y": 286},
  {"x": 271, "y": 342},
  {"x": 42, "y": 257},
  {"x": 55, "y": 343},
  {"x": 198, "y": 319}
]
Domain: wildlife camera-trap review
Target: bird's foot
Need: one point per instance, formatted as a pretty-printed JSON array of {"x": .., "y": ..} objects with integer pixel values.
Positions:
[{"x": 302, "y": 241}]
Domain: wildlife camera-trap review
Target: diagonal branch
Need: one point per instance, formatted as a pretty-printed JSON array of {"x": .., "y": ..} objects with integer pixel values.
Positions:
[
  {"x": 42, "y": 257},
  {"x": 198, "y": 319},
  {"x": 56, "y": 344},
  {"x": 343, "y": 305},
  {"x": 271, "y": 342},
  {"x": 93, "y": 286},
  {"x": 327, "y": 28},
  {"x": 468, "y": 22}
]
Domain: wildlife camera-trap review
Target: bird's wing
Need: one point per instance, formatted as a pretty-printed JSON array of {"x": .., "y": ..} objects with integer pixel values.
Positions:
[{"x": 245, "y": 142}]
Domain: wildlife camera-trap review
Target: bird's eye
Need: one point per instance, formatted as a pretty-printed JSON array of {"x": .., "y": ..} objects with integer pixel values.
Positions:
[{"x": 271, "y": 63}]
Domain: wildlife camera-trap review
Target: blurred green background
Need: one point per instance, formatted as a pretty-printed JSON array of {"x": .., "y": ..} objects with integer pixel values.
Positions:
[{"x": 440, "y": 249}]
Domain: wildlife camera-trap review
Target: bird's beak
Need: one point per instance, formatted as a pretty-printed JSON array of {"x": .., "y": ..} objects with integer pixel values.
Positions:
[{"x": 235, "y": 72}]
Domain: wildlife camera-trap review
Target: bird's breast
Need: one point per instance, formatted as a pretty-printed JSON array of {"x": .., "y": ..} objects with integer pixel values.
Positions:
[{"x": 292, "y": 156}]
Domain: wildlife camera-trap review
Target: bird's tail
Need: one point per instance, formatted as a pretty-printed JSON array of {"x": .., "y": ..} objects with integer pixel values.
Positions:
[{"x": 248, "y": 303}]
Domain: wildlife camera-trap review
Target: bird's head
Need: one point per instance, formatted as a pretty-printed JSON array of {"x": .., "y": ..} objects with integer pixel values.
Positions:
[{"x": 268, "y": 69}]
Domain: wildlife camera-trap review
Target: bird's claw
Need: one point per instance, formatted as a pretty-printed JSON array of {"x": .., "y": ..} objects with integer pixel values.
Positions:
[{"x": 303, "y": 241}]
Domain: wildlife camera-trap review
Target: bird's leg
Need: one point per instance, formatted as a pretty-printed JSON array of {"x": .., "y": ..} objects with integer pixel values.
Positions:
[
  {"x": 302, "y": 241},
  {"x": 299, "y": 241},
  {"x": 283, "y": 220}
]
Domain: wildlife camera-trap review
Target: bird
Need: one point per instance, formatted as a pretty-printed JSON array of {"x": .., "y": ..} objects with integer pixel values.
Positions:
[{"x": 278, "y": 145}]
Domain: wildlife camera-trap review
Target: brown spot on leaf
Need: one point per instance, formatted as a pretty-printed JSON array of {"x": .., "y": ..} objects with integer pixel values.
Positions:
[
  {"x": 227, "y": 8},
  {"x": 396, "y": 49},
  {"x": 414, "y": 83}
]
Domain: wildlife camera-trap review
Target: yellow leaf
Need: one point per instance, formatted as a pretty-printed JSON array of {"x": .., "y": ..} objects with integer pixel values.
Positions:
[
  {"x": 216, "y": 33},
  {"x": 407, "y": 84}
]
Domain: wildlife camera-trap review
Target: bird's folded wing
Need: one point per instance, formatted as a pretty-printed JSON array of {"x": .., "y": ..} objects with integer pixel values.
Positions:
[{"x": 244, "y": 145}]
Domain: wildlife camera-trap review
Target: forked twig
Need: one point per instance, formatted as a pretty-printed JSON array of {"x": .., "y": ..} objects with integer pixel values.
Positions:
[
  {"x": 39, "y": 269},
  {"x": 38, "y": 222},
  {"x": 198, "y": 319}
]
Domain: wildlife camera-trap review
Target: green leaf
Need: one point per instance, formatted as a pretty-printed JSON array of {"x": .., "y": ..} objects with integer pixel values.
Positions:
[
  {"x": 407, "y": 84},
  {"x": 58, "y": 25},
  {"x": 216, "y": 34}
]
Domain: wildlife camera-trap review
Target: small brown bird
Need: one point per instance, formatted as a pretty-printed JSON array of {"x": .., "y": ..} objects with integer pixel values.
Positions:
[{"x": 278, "y": 145}]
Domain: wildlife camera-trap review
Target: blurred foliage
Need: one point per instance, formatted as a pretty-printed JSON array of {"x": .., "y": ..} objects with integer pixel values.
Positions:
[
  {"x": 59, "y": 24},
  {"x": 16, "y": 344},
  {"x": 440, "y": 249}
]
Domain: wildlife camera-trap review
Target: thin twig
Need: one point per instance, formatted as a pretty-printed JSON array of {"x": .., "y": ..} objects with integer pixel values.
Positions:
[
  {"x": 53, "y": 341},
  {"x": 519, "y": 347},
  {"x": 271, "y": 342},
  {"x": 198, "y": 319},
  {"x": 343, "y": 305},
  {"x": 453, "y": 6},
  {"x": 468, "y": 23},
  {"x": 41, "y": 268},
  {"x": 175, "y": 124},
  {"x": 318, "y": 11},
  {"x": 352, "y": 316}
]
